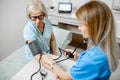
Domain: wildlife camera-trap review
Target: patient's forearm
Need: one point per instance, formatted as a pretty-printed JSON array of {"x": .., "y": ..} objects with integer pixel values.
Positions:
[
  {"x": 53, "y": 46},
  {"x": 63, "y": 75},
  {"x": 52, "y": 66},
  {"x": 58, "y": 71}
]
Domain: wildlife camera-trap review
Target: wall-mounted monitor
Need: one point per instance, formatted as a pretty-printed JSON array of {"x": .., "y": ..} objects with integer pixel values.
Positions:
[{"x": 64, "y": 7}]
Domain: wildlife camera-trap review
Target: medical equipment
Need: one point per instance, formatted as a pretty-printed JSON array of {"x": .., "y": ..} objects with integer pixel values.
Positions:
[
  {"x": 43, "y": 73},
  {"x": 70, "y": 55},
  {"x": 35, "y": 49}
]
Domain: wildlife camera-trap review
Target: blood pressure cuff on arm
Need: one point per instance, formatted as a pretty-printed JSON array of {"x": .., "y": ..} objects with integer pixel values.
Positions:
[{"x": 35, "y": 49}]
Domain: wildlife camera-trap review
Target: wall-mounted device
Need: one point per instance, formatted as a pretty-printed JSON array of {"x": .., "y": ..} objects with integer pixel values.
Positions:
[{"x": 64, "y": 7}]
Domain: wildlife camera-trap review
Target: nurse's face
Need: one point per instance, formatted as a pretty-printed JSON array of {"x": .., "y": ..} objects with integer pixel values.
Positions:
[
  {"x": 83, "y": 29},
  {"x": 37, "y": 17}
]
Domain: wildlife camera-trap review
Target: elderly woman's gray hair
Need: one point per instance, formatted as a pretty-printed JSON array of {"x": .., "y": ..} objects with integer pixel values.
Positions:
[{"x": 36, "y": 6}]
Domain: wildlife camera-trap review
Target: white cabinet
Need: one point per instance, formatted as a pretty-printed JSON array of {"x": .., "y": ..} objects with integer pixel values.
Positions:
[
  {"x": 117, "y": 25},
  {"x": 57, "y": 18},
  {"x": 68, "y": 21},
  {"x": 118, "y": 29},
  {"x": 53, "y": 19}
]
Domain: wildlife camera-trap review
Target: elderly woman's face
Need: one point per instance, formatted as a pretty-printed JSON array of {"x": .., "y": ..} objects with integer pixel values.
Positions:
[{"x": 37, "y": 17}]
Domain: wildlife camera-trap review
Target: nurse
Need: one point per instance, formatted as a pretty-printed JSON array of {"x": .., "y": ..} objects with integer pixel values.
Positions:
[
  {"x": 101, "y": 57},
  {"x": 38, "y": 28}
]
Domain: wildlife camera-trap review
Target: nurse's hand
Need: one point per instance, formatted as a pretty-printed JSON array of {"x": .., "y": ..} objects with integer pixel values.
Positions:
[{"x": 75, "y": 54}]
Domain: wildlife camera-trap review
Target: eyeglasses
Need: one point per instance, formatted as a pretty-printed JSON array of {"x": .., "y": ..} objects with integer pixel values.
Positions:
[{"x": 34, "y": 18}]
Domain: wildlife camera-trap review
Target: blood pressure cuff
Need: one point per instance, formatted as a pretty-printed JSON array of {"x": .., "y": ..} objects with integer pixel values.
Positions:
[{"x": 35, "y": 49}]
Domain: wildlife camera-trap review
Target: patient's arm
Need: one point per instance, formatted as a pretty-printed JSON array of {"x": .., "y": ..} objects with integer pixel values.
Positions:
[
  {"x": 53, "y": 44},
  {"x": 48, "y": 62}
]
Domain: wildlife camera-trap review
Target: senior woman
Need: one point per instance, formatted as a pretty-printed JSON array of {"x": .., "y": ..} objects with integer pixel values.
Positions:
[{"x": 38, "y": 28}]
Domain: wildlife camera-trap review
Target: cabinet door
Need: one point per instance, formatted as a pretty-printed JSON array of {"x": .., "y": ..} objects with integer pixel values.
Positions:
[
  {"x": 118, "y": 29},
  {"x": 68, "y": 21},
  {"x": 53, "y": 19}
]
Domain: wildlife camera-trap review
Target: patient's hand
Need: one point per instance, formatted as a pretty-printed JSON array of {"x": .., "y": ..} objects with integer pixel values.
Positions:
[
  {"x": 47, "y": 59},
  {"x": 76, "y": 55}
]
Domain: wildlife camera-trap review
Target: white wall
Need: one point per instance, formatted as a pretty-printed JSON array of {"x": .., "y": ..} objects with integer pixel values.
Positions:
[
  {"x": 47, "y": 3},
  {"x": 12, "y": 21}
]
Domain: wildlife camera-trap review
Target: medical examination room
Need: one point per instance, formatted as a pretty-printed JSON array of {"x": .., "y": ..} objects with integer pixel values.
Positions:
[{"x": 60, "y": 40}]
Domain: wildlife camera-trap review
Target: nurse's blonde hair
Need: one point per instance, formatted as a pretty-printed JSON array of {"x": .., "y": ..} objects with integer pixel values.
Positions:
[
  {"x": 36, "y": 6},
  {"x": 101, "y": 27}
]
